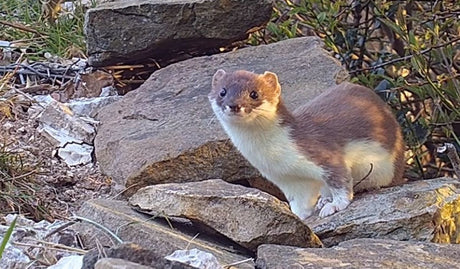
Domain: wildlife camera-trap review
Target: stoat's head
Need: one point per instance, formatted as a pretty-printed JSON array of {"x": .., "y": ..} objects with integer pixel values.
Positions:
[{"x": 244, "y": 97}]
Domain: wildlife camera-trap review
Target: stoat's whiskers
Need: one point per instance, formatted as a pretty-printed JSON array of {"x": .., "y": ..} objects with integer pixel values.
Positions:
[{"x": 262, "y": 109}]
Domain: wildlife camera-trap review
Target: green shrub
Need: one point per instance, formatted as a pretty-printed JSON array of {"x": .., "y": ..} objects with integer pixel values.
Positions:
[{"x": 408, "y": 51}]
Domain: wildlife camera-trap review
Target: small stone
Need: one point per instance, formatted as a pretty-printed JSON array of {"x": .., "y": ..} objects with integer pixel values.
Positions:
[
  {"x": 108, "y": 91},
  {"x": 90, "y": 106},
  {"x": 68, "y": 262},
  {"x": 75, "y": 154},
  {"x": 60, "y": 126},
  {"x": 195, "y": 258}
]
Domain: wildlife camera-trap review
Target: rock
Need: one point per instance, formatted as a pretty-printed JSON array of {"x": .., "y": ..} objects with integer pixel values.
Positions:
[
  {"x": 60, "y": 126},
  {"x": 69, "y": 126},
  {"x": 149, "y": 233},
  {"x": 165, "y": 131},
  {"x": 267, "y": 186},
  {"x": 361, "y": 253},
  {"x": 4, "y": 43},
  {"x": 195, "y": 258},
  {"x": 127, "y": 253},
  {"x": 68, "y": 262},
  {"x": 113, "y": 263},
  {"x": 71, "y": 135},
  {"x": 245, "y": 215},
  {"x": 132, "y": 31},
  {"x": 13, "y": 257},
  {"x": 109, "y": 91},
  {"x": 75, "y": 154},
  {"x": 425, "y": 210},
  {"x": 90, "y": 106}
]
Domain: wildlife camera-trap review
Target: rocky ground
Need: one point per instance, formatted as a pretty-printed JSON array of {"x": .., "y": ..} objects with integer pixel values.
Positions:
[
  {"x": 58, "y": 188},
  {"x": 42, "y": 187}
]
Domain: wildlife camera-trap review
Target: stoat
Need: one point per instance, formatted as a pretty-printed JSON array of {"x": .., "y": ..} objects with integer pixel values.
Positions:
[{"x": 344, "y": 140}]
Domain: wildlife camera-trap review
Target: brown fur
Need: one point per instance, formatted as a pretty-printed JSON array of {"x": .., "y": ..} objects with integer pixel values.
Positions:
[{"x": 341, "y": 114}]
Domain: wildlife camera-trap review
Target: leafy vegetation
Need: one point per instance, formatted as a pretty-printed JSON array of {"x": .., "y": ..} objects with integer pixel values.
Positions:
[{"x": 408, "y": 51}]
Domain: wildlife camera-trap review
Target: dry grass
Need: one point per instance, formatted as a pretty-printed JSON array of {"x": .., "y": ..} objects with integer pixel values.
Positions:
[{"x": 18, "y": 187}]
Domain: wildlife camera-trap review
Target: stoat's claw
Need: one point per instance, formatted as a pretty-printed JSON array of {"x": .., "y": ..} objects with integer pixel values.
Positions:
[
  {"x": 332, "y": 207},
  {"x": 327, "y": 210},
  {"x": 322, "y": 201}
]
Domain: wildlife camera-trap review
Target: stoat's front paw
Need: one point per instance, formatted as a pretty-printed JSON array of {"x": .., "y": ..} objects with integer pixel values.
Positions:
[
  {"x": 332, "y": 207},
  {"x": 322, "y": 201}
]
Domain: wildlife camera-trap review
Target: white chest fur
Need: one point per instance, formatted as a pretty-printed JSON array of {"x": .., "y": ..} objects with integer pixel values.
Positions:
[{"x": 273, "y": 153}]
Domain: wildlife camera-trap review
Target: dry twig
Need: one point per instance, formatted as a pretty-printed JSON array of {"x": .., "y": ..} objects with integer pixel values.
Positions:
[
  {"x": 452, "y": 154},
  {"x": 238, "y": 263},
  {"x": 100, "y": 226},
  {"x": 51, "y": 246}
]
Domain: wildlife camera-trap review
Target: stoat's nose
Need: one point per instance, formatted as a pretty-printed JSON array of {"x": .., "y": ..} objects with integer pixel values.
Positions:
[{"x": 234, "y": 108}]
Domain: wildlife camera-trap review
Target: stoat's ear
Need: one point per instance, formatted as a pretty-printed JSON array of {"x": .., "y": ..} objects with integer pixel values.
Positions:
[
  {"x": 217, "y": 77},
  {"x": 272, "y": 80}
]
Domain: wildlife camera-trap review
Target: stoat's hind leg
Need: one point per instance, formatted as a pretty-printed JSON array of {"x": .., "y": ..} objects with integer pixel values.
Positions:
[{"x": 341, "y": 191}]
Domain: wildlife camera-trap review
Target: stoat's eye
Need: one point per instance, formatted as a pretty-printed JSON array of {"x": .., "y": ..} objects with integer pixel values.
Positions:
[
  {"x": 223, "y": 92},
  {"x": 254, "y": 95}
]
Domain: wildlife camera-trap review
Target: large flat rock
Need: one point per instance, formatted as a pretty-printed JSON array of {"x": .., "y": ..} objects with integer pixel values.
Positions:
[
  {"x": 425, "y": 210},
  {"x": 362, "y": 253},
  {"x": 165, "y": 131},
  {"x": 148, "y": 233},
  {"x": 245, "y": 215},
  {"x": 135, "y": 30}
]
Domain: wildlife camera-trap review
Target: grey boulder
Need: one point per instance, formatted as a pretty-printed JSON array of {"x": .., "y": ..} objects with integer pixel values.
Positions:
[{"x": 135, "y": 30}]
